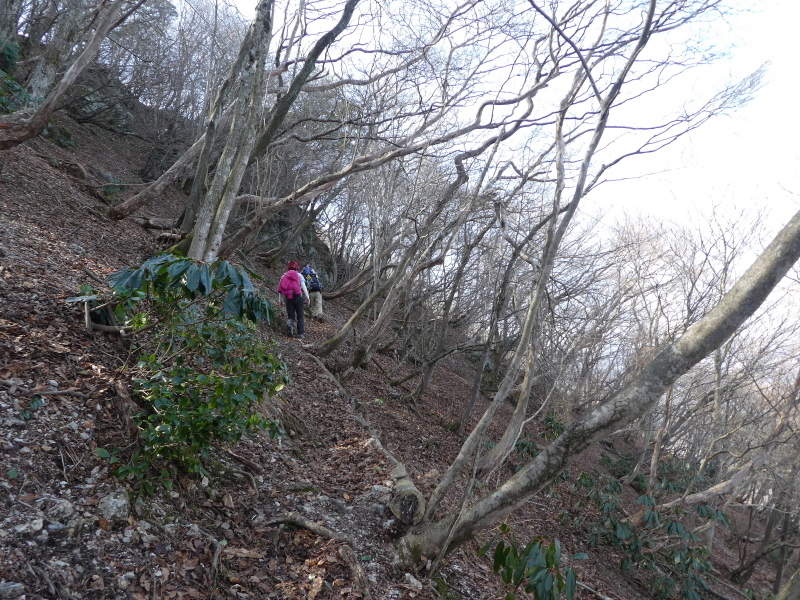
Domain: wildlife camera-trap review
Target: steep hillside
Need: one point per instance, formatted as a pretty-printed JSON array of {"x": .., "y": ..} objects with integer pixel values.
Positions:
[{"x": 298, "y": 517}]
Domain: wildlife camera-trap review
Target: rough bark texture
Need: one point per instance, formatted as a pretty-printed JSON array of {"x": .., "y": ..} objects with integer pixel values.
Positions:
[{"x": 791, "y": 591}]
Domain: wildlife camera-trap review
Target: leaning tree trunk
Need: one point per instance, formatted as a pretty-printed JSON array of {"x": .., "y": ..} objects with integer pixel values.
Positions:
[
  {"x": 20, "y": 126},
  {"x": 637, "y": 398},
  {"x": 791, "y": 591}
]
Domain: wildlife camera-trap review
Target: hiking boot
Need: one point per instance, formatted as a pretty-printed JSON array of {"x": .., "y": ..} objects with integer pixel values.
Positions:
[
  {"x": 291, "y": 325},
  {"x": 301, "y": 336}
]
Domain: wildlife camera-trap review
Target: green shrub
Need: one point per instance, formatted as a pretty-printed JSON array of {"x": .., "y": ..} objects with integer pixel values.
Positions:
[
  {"x": 201, "y": 371},
  {"x": 536, "y": 568},
  {"x": 12, "y": 95},
  {"x": 9, "y": 55},
  {"x": 681, "y": 553},
  {"x": 552, "y": 427}
]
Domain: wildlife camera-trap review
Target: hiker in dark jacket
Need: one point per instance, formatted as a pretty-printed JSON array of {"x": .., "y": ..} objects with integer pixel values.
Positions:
[
  {"x": 314, "y": 286},
  {"x": 292, "y": 288}
]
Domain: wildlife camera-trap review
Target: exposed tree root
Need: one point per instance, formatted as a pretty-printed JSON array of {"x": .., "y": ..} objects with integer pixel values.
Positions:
[{"x": 301, "y": 521}]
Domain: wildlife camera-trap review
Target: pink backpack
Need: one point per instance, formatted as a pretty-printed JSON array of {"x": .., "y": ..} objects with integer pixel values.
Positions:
[{"x": 289, "y": 285}]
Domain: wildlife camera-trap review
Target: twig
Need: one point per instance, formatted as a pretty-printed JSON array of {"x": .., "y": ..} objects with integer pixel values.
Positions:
[
  {"x": 249, "y": 477},
  {"x": 93, "y": 276},
  {"x": 595, "y": 592},
  {"x": 61, "y": 393},
  {"x": 87, "y": 317},
  {"x": 346, "y": 552},
  {"x": 246, "y": 462},
  {"x": 23, "y": 390},
  {"x": 301, "y": 521},
  {"x": 730, "y": 587}
]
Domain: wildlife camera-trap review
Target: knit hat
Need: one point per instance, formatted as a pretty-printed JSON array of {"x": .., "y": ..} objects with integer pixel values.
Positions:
[{"x": 293, "y": 265}]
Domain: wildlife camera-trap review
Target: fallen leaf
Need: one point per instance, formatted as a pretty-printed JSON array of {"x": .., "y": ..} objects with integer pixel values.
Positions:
[{"x": 97, "y": 583}]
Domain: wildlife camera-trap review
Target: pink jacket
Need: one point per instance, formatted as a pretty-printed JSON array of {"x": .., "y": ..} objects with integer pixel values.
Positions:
[{"x": 290, "y": 284}]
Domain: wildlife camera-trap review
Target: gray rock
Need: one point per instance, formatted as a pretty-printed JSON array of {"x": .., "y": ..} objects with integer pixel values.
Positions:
[
  {"x": 56, "y": 528},
  {"x": 413, "y": 581},
  {"x": 31, "y": 527},
  {"x": 60, "y": 511},
  {"x": 11, "y": 589},
  {"x": 377, "y": 508},
  {"x": 116, "y": 506}
]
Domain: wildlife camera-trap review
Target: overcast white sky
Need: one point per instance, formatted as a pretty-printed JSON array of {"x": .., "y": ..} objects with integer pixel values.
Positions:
[{"x": 748, "y": 159}]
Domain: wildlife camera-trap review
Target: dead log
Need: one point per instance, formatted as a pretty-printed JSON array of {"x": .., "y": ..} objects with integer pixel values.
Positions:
[{"x": 407, "y": 503}]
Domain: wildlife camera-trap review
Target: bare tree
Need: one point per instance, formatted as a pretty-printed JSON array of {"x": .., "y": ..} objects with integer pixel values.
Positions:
[{"x": 18, "y": 127}]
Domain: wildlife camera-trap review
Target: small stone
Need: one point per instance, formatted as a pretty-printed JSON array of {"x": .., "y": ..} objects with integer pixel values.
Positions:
[
  {"x": 53, "y": 383},
  {"x": 413, "y": 581},
  {"x": 381, "y": 489},
  {"x": 31, "y": 527},
  {"x": 116, "y": 506},
  {"x": 377, "y": 508},
  {"x": 11, "y": 589},
  {"x": 56, "y": 528},
  {"x": 60, "y": 511}
]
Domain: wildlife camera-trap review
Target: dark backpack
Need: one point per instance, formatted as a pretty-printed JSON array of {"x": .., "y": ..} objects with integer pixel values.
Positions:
[{"x": 313, "y": 283}]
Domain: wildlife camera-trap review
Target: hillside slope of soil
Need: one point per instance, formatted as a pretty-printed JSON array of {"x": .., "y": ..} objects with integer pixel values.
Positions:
[{"x": 300, "y": 517}]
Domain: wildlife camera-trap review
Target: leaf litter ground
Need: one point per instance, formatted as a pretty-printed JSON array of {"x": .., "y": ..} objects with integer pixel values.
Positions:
[{"x": 64, "y": 395}]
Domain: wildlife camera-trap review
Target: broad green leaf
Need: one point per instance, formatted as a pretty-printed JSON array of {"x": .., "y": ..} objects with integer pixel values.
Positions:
[
  {"x": 205, "y": 279},
  {"x": 103, "y": 453},
  {"x": 192, "y": 277},
  {"x": 571, "y": 583},
  {"x": 82, "y": 298},
  {"x": 499, "y": 556},
  {"x": 247, "y": 285},
  {"x": 176, "y": 270},
  {"x": 483, "y": 549},
  {"x": 233, "y": 303}
]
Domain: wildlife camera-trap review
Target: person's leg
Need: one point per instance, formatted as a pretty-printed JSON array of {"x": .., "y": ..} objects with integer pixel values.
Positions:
[
  {"x": 301, "y": 326},
  {"x": 291, "y": 310}
]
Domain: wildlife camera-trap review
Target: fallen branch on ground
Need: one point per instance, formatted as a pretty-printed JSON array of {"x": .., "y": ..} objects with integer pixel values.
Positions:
[{"x": 301, "y": 521}]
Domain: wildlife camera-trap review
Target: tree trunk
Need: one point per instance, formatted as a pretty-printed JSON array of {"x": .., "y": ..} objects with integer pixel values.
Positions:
[
  {"x": 791, "y": 591},
  {"x": 20, "y": 126},
  {"x": 638, "y": 397}
]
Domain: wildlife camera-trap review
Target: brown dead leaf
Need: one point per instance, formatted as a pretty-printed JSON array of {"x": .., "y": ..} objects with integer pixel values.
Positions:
[
  {"x": 104, "y": 524},
  {"x": 316, "y": 586},
  {"x": 97, "y": 583}
]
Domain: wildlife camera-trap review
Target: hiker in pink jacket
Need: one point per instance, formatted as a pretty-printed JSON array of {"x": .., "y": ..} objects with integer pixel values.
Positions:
[{"x": 293, "y": 289}]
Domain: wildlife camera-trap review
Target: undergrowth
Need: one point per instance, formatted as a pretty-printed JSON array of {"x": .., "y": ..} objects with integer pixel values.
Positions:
[
  {"x": 201, "y": 371},
  {"x": 679, "y": 562}
]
